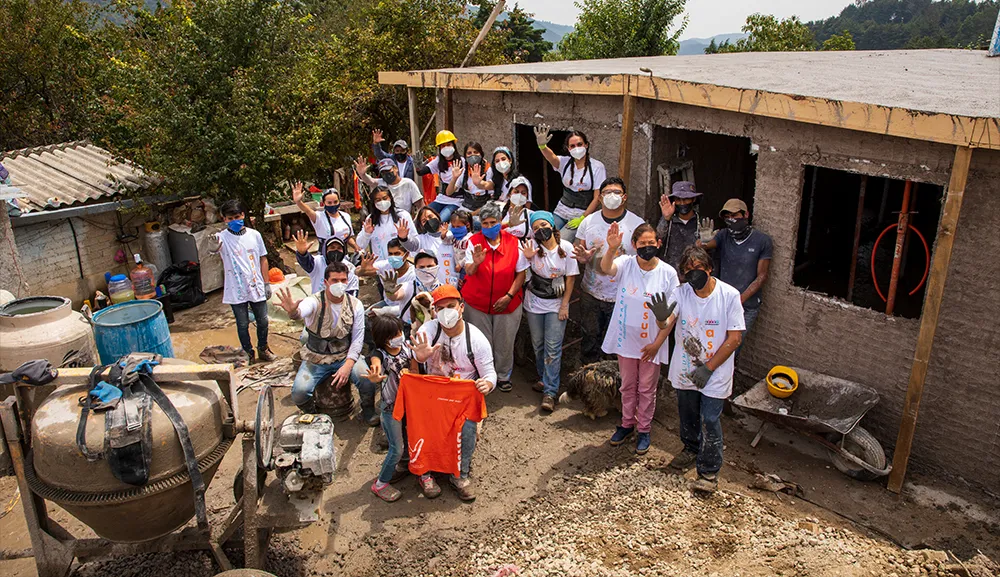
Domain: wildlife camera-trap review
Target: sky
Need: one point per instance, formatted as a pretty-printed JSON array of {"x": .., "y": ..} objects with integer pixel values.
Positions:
[{"x": 705, "y": 17}]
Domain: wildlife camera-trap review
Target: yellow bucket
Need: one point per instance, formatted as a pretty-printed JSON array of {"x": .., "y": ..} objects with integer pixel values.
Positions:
[{"x": 782, "y": 381}]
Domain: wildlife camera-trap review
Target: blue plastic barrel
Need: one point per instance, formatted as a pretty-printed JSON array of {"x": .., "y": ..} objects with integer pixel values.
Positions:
[{"x": 132, "y": 327}]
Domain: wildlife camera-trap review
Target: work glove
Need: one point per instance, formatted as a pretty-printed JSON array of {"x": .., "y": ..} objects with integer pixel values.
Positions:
[
  {"x": 559, "y": 285},
  {"x": 575, "y": 223},
  {"x": 267, "y": 291},
  {"x": 700, "y": 376},
  {"x": 542, "y": 134},
  {"x": 389, "y": 311},
  {"x": 389, "y": 283},
  {"x": 662, "y": 310},
  {"x": 706, "y": 230}
]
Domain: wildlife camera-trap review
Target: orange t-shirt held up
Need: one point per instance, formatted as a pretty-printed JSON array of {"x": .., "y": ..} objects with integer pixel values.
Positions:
[{"x": 435, "y": 409}]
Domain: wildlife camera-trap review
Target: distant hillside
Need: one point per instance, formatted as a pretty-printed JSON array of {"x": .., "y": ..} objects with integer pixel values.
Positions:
[
  {"x": 553, "y": 32},
  {"x": 698, "y": 45}
]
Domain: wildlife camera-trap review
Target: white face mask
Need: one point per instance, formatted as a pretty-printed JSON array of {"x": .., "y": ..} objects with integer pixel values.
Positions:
[
  {"x": 427, "y": 276},
  {"x": 612, "y": 201},
  {"x": 383, "y": 205},
  {"x": 448, "y": 318},
  {"x": 396, "y": 342},
  {"x": 578, "y": 152},
  {"x": 337, "y": 290},
  {"x": 447, "y": 151},
  {"x": 518, "y": 199},
  {"x": 503, "y": 166}
]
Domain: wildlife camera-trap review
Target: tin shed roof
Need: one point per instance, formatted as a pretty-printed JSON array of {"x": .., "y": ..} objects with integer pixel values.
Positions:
[{"x": 69, "y": 174}]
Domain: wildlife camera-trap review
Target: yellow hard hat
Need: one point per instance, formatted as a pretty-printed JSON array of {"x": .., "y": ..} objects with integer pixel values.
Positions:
[
  {"x": 782, "y": 381},
  {"x": 443, "y": 137}
]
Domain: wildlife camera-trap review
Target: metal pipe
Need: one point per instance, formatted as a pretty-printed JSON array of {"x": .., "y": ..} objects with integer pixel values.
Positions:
[
  {"x": 902, "y": 227},
  {"x": 857, "y": 238},
  {"x": 76, "y": 245},
  {"x": 812, "y": 208}
]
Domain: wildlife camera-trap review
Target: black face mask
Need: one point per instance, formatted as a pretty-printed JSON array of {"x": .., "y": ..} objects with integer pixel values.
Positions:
[
  {"x": 647, "y": 252},
  {"x": 474, "y": 159},
  {"x": 543, "y": 234},
  {"x": 334, "y": 256},
  {"x": 684, "y": 208},
  {"x": 432, "y": 225},
  {"x": 697, "y": 278},
  {"x": 738, "y": 227},
  {"x": 399, "y": 156},
  {"x": 388, "y": 176}
]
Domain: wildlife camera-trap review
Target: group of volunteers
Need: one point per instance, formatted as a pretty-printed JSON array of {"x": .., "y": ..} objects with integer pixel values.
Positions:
[{"x": 456, "y": 275}]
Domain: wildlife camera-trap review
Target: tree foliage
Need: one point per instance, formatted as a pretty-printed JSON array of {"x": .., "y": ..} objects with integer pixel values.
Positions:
[
  {"x": 768, "y": 34},
  {"x": 624, "y": 28},
  {"x": 522, "y": 42},
  {"x": 839, "y": 42}
]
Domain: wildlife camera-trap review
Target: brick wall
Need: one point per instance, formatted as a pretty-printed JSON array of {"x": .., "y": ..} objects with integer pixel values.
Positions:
[
  {"x": 49, "y": 259},
  {"x": 958, "y": 430}
]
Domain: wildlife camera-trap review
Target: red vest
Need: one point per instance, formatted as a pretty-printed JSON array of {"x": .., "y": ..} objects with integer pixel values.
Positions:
[{"x": 495, "y": 276}]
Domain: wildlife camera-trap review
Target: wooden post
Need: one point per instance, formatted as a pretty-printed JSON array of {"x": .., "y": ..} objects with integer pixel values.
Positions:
[
  {"x": 857, "y": 238},
  {"x": 411, "y": 97},
  {"x": 449, "y": 116},
  {"x": 902, "y": 226},
  {"x": 628, "y": 127},
  {"x": 929, "y": 317}
]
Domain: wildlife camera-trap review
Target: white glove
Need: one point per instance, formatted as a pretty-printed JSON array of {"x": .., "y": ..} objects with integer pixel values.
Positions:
[
  {"x": 542, "y": 135},
  {"x": 559, "y": 285}
]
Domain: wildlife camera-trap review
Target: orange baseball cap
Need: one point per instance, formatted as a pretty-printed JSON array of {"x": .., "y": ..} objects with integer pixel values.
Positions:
[{"x": 444, "y": 292}]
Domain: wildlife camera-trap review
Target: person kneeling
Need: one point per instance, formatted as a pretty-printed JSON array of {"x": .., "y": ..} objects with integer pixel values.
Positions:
[{"x": 335, "y": 329}]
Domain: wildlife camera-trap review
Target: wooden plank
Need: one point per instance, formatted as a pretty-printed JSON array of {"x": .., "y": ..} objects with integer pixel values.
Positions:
[
  {"x": 449, "y": 112},
  {"x": 929, "y": 317},
  {"x": 411, "y": 98},
  {"x": 628, "y": 128},
  {"x": 857, "y": 238}
]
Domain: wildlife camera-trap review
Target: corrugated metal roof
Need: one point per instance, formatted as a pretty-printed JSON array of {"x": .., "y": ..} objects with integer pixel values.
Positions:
[{"x": 69, "y": 174}]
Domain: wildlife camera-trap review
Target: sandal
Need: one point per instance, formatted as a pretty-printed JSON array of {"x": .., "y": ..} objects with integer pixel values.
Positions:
[
  {"x": 387, "y": 493},
  {"x": 429, "y": 486}
]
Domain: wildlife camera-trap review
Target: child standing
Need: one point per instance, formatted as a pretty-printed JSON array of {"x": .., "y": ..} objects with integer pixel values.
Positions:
[
  {"x": 630, "y": 334},
  {"x": 244, "y": 259},
  {"x": 387, "y": 362}
]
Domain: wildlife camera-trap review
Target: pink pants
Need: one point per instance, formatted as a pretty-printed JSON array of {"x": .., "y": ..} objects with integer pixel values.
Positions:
[{"x": 639, "y": 380}]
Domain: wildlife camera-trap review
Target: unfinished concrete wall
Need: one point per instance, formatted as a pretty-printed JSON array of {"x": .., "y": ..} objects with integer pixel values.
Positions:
[
  {"x": 49, "y": 257},
  {"x": 12, "y": 278}
]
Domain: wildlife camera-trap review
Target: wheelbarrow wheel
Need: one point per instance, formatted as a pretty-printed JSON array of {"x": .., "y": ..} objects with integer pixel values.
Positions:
[{"x": 864, "y": 446}]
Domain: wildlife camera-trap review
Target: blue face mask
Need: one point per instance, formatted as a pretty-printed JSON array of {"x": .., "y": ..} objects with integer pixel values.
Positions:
[
  {"x": 459, "y": 231},
  {"x": 331, "y": 208},
  {"x": 491, "y": 232},
  {"x": 235, "y": 225},
  {"x": 396, "y": 261}
]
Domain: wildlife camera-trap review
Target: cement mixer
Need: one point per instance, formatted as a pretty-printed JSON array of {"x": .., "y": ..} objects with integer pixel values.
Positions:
[{"x": 75, "y": 451}]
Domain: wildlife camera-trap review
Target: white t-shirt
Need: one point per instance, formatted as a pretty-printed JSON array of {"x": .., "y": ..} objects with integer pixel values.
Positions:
[
  {"x": 456, "y": 349},
  {"x": 523, "y": 228},
  {"x": 465, "y": 181},
  {"x": 317, "y": 274},
  {"x": 340, "y": 223},
  {"x": 551, "y": 265},
  {"x": 579, "y": 180},
  {"x": 241, "y": 253},
  {"x": 505, "y": 186},
  {"x": 522, "y": 263},
  {"x": 633, "y": 325},
  {"x": 385, "y": 230},
  {"x": 405, "y": 192},
  {"x": 705, "y": 321},
  {"x": 309, "y": 307},
  {"x": 445, "y": 177},
  {"x": 593, "y": 231},
  {"x": 445, "y": 253},
  {"x": 405, "y": 280}
]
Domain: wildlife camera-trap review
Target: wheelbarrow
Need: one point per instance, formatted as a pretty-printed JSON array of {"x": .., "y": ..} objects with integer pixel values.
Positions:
[{"x": 827, "y": 410}]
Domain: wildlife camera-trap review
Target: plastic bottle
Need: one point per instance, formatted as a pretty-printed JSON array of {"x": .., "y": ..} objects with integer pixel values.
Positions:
[
  {"x": 143, "y": 280},
  {"x": 120, "y": 289}
]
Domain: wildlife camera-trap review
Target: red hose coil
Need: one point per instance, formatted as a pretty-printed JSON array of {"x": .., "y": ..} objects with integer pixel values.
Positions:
[{"x": 927, "y": 260}]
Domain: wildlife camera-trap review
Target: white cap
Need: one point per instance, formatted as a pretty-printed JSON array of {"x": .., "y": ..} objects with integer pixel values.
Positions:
[{"x": 138, "y": 259}]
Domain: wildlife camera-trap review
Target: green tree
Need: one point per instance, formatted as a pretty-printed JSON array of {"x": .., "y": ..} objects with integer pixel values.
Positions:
[
  {"x": 842, "y": 41},
  {"x": 768, "y": 34},
  {"x": 712, "y": 48},
  {"x": 623, "y": 28},
  {"x": 47, "y": 65},
  {"x": 522, "y": 42}
]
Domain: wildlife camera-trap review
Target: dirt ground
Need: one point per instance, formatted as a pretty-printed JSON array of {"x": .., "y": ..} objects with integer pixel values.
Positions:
[{"x": 555, "y": 499}]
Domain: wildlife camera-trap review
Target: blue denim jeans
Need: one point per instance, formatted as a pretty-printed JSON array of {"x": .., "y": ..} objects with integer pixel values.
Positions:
[
  {"x": 701, "y": 429},
  {"x": 565, "y": 233},
  {"x": 242, "y": 313},
  {"x": 444, "y": 210},
  {"x": 749, "y": 318},
  {"x": 393, "y": 430},
  {"x": 310, "y": 375},
  {"x": 468, "y": 447},
  {"x": 547, "y": 339}
]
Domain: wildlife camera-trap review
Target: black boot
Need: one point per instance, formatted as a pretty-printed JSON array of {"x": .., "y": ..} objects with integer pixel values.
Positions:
[{"x": 308, "y": 407}]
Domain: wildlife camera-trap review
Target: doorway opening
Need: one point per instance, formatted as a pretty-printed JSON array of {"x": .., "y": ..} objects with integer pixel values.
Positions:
[{"x": 546, "y": 184}]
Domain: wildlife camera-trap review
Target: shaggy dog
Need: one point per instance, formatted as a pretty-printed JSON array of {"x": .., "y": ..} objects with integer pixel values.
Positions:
[{"x": 598, "y": 386}]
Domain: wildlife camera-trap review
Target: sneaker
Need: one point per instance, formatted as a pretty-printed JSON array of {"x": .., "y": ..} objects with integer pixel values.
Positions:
[
  {"x": 705, "y": 483},
  {"x": 504, "y": 386},
  {"x": 548, "y": 403},
  {"x": 370, "y": 416},
  {"x": 621, "y": 435},
  {"x": 538, "y": 387},
  {"x": 429, "y": 486},
  {"x": 683, "y": 461},
  {"x": 265, "y": 355},
  {"x": 400, "y": 473},
  {"x": 641, "y": 443},
  {"x": 387, "y": 493},
  {"x": 463, "y": 487}
]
